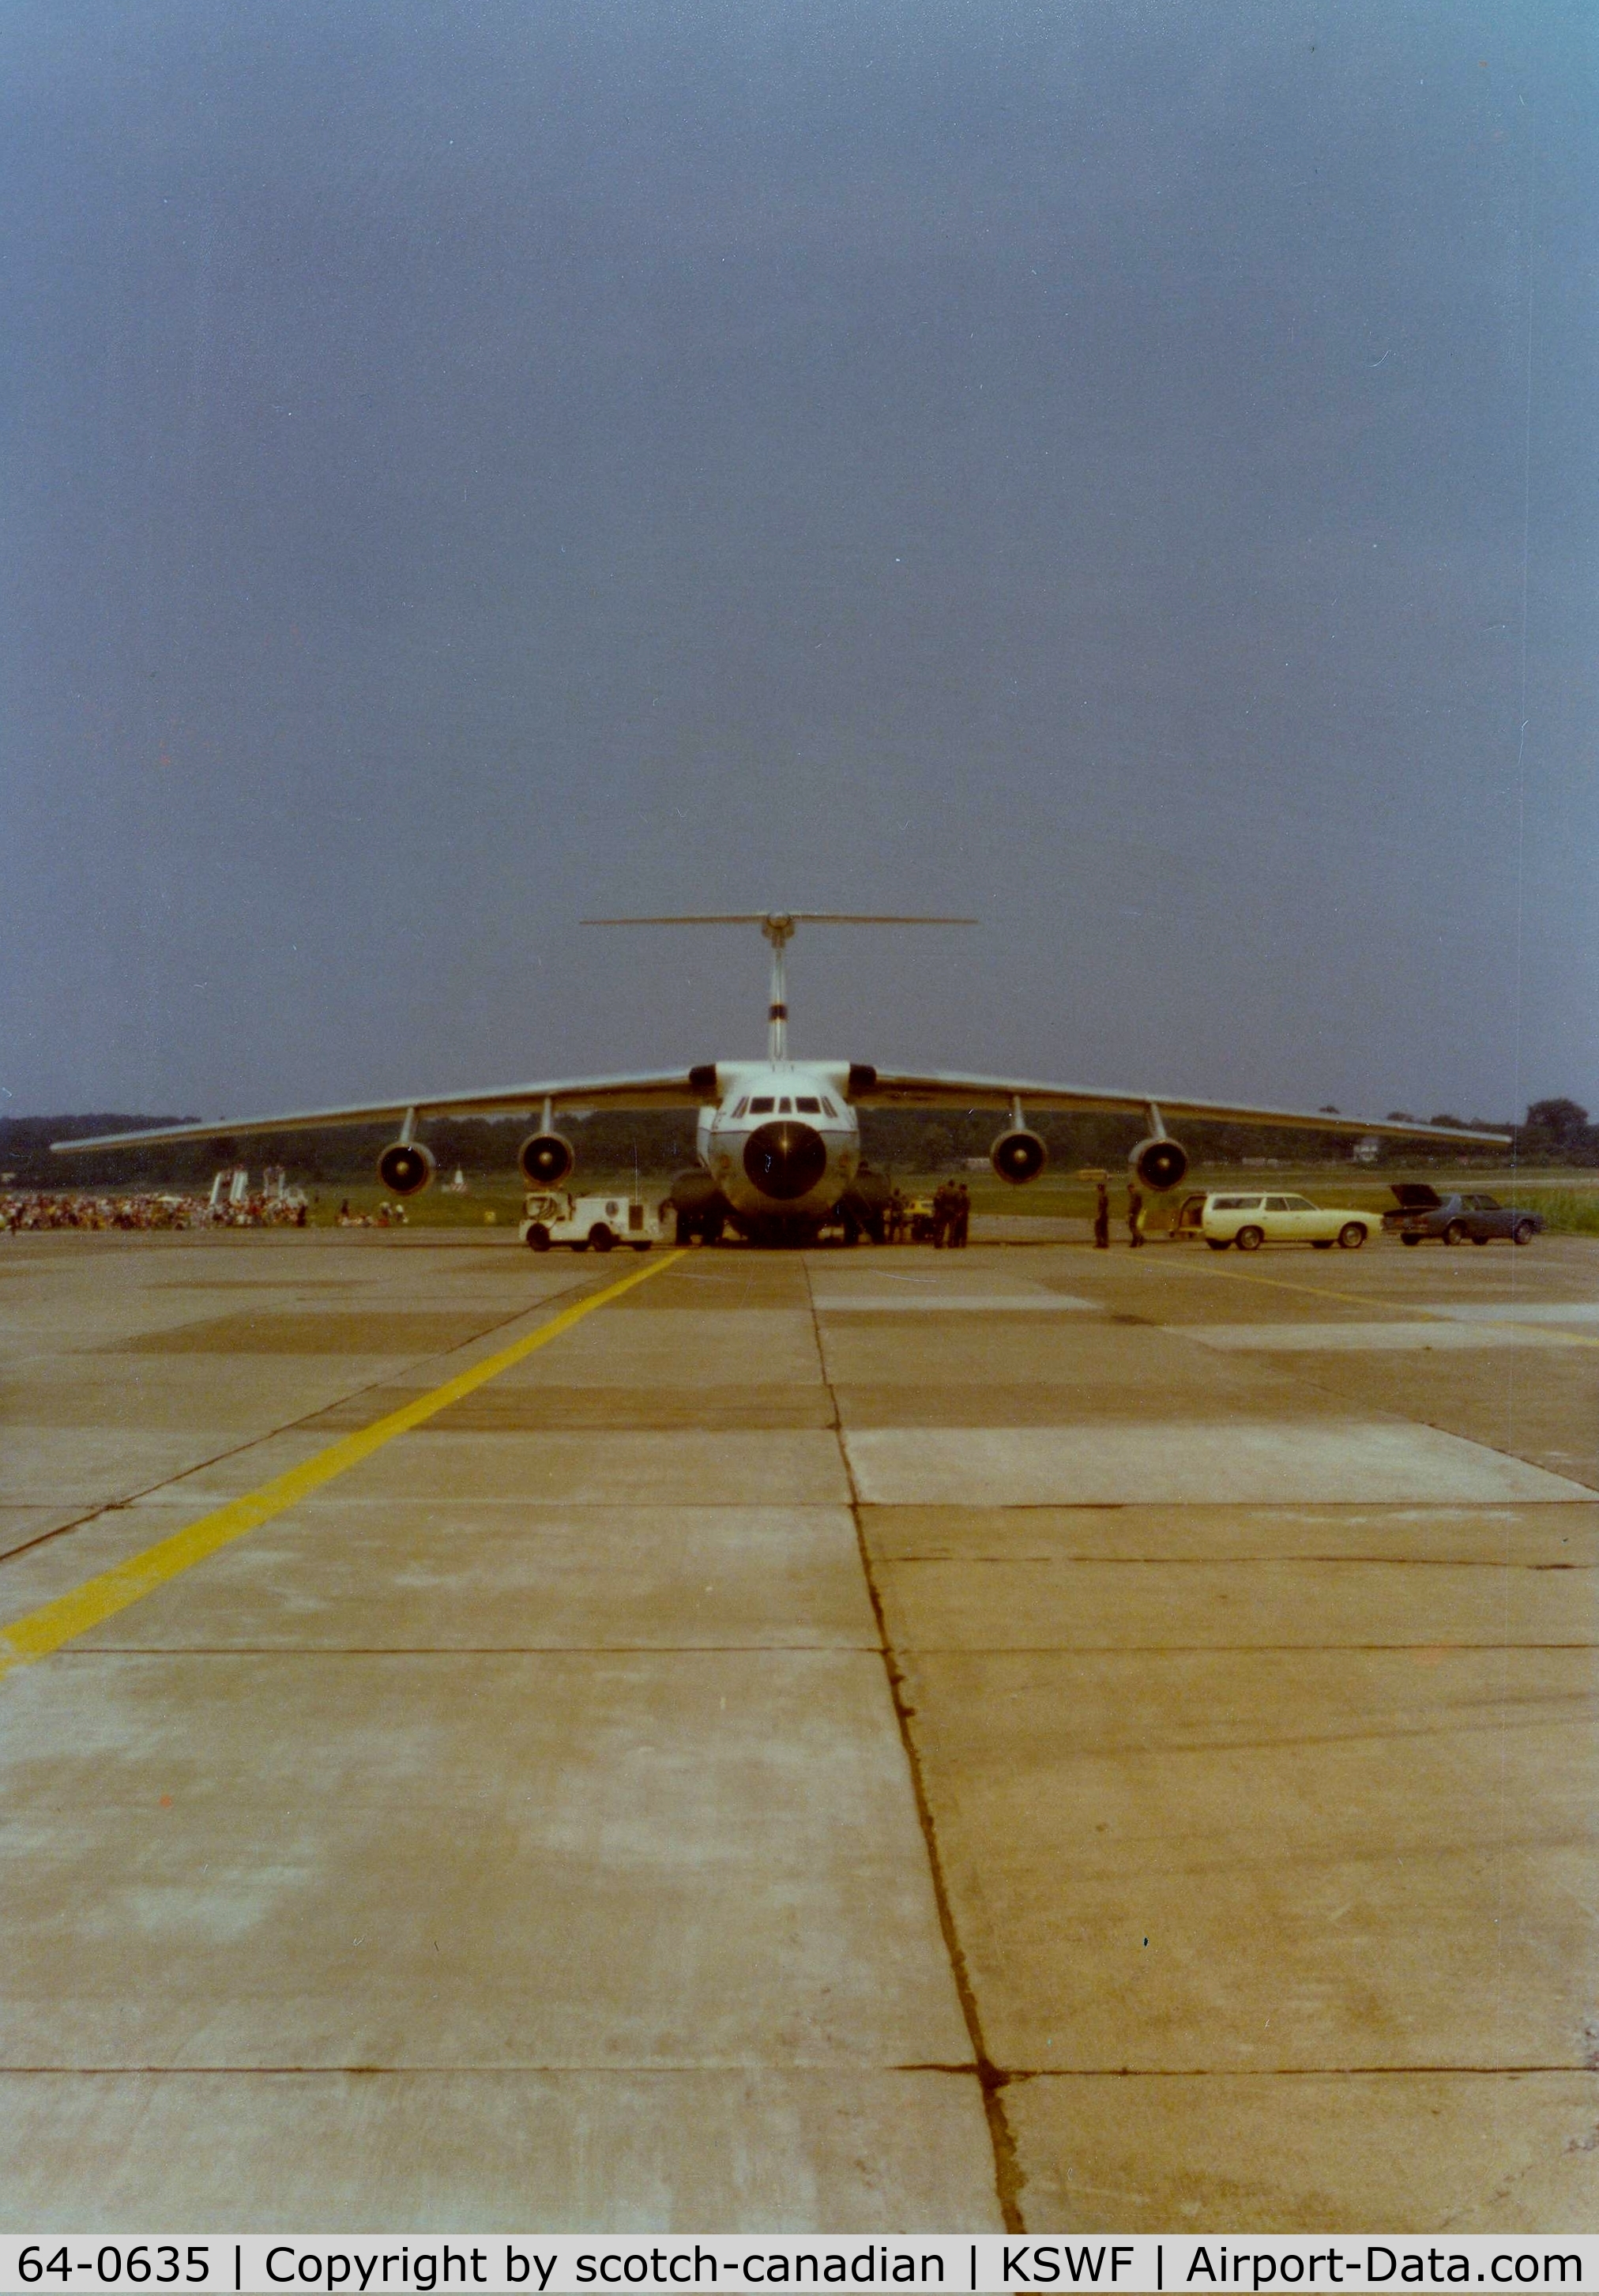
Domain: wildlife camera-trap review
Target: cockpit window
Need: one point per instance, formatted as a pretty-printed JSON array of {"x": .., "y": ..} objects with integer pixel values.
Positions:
[
  {"x": 828, "y": 1107},
  {"x": 760, "y": 1108},
  {"x": 785, "y": 1107},
  {"x": 739, "y": 1111},
  {"x": 809, "y": 1107}
]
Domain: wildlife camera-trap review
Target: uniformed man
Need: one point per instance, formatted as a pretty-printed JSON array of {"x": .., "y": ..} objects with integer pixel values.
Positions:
[
  {"x": 1102, "y": 1216},
  {"x": 1135, "y": 1215},
  {"x": 940, "y": 1215}
]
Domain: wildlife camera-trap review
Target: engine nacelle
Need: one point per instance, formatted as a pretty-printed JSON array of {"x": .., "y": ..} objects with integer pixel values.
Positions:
[
  {"x": 404, "y": 1168},
  {"x": 546, "y": 1159},
  {"x": 1159, "y": 1164},
  {"x": 701, "y": 1207},
  {"x": 1018, "y": 1156},
  {"x": 870, "y": 1193},
  {"x": 694, "y": 1192}
]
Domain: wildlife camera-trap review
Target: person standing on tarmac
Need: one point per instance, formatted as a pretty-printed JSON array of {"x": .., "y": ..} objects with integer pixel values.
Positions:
[
  {"x": 1102, "y": 1216},
  {"x": 961, "y": 1229},
  {"x": 940, "y": 1216},
  {"x": 1135, "y": 1215}
]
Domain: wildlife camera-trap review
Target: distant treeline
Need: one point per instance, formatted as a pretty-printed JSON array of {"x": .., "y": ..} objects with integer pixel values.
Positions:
[{"x": 1556, "y": 1132}]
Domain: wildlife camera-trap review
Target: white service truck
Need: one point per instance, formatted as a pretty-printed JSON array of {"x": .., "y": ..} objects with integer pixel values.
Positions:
[{"x": 551, "y": 1216}]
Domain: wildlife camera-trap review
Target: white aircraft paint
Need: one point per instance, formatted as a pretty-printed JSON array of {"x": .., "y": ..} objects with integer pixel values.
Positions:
[{"x": 798, "y": 1101}]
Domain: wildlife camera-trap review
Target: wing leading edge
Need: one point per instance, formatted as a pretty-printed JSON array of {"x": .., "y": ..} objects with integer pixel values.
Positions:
[
  {"x": 693, "y": 1087},
  {"x": 903, "y": 1088},
  {"x": 674, "y": 1089}
]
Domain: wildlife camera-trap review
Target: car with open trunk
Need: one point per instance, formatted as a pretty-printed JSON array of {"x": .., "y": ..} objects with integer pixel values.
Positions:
[{"x": 1423, "y": 1213}]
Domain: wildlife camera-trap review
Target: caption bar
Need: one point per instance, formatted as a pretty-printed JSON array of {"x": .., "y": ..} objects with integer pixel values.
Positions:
[{"x": 554, "y": 2264}]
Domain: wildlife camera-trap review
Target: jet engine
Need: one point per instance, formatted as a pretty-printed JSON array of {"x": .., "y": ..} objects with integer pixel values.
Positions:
[
  {"x": 700, "y": 1207},
  {"x": 1160, "y": 1163},
  {"x": 546, "y": 1159},
  {"x": 865, "y": 1205},
  {"x": 694, "y": 1192},
  {"x": 1018, "y": 1155},
  {"x": 404, "y": 1168}
]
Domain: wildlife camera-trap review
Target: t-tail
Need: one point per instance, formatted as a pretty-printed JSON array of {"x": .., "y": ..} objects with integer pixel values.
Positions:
[{"x": 777, "y": 927}]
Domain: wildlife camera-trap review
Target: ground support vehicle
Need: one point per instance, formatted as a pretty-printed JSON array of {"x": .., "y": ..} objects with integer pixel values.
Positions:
[
  {"x": 1249, "y": 1221},
  {"x": 1423, "y": 1213},
  {"x": 552, "y": 1217}
]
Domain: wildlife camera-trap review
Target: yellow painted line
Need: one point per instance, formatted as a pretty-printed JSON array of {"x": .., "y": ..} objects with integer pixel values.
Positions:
[
  {"x": 1510, "y": 1323},
  {"x": 45, "y": 1630}
]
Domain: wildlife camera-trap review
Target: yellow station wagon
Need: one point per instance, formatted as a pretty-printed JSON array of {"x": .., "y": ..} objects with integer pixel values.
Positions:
[{"x": 1249, "y": 1221}]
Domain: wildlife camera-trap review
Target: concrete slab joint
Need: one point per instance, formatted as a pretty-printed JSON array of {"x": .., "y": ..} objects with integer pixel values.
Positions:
[{"x": 846, "y": 1741}]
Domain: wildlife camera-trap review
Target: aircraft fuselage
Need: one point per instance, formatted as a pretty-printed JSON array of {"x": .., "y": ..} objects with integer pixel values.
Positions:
[{"x": 783, "y": 1144}]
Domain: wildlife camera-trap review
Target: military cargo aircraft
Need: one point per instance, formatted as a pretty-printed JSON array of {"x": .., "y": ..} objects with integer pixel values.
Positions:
[{"x": 779, "y": 1139}]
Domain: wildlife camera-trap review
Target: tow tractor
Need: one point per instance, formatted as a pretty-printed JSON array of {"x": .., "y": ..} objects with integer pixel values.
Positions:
[{"x": 551, "y": 1216}]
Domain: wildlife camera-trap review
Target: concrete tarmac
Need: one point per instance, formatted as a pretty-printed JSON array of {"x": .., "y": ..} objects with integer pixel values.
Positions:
[{"x": 852, "y": 1741}]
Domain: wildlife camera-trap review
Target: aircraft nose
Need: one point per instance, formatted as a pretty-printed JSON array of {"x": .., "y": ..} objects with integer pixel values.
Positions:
[{"x": 785, "y": 1159}]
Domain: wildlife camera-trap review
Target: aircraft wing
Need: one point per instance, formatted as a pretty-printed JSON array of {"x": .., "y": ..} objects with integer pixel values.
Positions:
[
  {"x": 676, "y": 1088},
  {"x": 902, "y": 1088}
]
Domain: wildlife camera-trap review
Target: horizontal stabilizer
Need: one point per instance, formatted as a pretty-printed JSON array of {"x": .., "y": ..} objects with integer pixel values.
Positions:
[{"x": 781, "y": 917}]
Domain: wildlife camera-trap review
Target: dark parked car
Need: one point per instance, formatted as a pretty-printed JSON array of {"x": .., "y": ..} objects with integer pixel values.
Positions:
[{"x": 1456, "y": 1219}]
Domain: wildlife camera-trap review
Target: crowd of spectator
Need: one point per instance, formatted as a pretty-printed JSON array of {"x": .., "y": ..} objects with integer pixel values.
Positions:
[{"x": 27, "y": 1214}]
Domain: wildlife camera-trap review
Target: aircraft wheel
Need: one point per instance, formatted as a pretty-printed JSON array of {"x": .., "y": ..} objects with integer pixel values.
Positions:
[
  {"x": 1457, "y": 1232},
  {"x": 1249, "y": 1239},
  {"x": 1351, "y": 1235},
  {"x": 538, "y": 1237},
  {"x": 600, "y": 1237},
  {"x": 1523, "y": 1232}
]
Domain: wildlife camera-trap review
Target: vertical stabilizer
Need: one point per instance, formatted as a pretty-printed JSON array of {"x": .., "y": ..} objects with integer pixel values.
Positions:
[{"x": 777, "y": 927}]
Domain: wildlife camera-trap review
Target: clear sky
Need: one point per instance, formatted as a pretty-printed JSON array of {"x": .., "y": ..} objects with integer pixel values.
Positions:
[{"x": 1124, "y": 471}]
